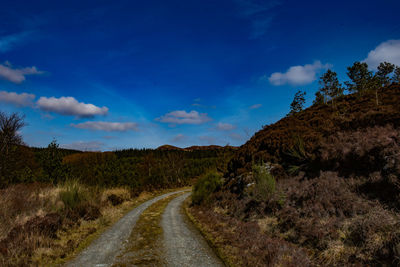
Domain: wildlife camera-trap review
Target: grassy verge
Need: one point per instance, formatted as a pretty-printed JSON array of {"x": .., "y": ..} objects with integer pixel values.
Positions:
[
  {"x": 222, "y": 252},
  {"x": 144, "y": 247}
]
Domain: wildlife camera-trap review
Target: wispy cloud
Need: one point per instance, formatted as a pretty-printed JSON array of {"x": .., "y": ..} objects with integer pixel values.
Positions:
[
  {"x": 225, "y": 126},
  {"x": 258, "y": 13},
  {"x": 70, "y": 106},
  {"x": 8, "y": 42},
  {"x": 253, "y": 7},
  {"x": 16, "y": 75},
  {"x": 179, "y": 138},
  {"x": 183, "y": 117},
  {"x": 387, "y": 51},
  {"x": 255, "y": 106},
  {"x": 237, "y": 137},
  {"x": 20, "y": 100},
  {"x": 84, "y": 146},
  {"x": 298, "y": 75},
  {"x": 107, "y": 126}
]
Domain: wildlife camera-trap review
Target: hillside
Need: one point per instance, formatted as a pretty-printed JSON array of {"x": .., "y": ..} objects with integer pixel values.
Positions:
[
  {"x": 318, "y": 188},
  {"x": 274, "y": 142}
]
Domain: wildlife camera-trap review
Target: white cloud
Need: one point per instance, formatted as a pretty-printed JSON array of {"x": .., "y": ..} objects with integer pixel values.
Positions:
[
  {"x": 183, "y": 117},
  {"x": 107, "y": 126},
  {"x": 298, "y": 75},
  {"x": 225, "y": 126},
  {"x": 7, "y": 72},
  {"x": 70, "y": 106},
  {"x": 20, "y": 100},
  {"x": 255, "y": 106},
  {"x": 84, "y": 146},
  {"x": 387, "y": 51}
]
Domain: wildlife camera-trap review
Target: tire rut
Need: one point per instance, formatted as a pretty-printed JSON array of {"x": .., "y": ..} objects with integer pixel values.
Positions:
[
  {"x": 103, "y": 251},
  {"x": 184, "y": 245}
]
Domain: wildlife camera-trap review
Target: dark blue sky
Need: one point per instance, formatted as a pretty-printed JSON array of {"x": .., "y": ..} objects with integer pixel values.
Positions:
[{"x": 102, "y": 75}]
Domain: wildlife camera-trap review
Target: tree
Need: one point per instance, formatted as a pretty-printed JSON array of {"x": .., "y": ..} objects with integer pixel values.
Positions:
[
  {"x": 319, "y": 98},
  {"x": 331, "y": 88},
  {"x": 297, "y": 103},
  {"x": 396, "y": 75},
  {"x": 384, "y": 70},
  {"x": 360, "y": 77},
  {"x": 52, "y": 162},
  {"x": 9, "y": 140},
  {"x": 9, "y": 127}
]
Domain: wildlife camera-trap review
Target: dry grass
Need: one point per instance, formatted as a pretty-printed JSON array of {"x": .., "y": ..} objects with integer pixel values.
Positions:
[{"x": 37, "y": 228}]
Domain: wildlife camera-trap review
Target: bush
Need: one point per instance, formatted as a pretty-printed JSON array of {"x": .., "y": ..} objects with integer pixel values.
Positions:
[
  {"x": 205, "y": 186},
  {"x": 264, "y": 182},
  {"x": 72, "y": 194}
]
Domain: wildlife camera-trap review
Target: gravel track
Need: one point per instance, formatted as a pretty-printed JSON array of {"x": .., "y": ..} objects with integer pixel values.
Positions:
[
  {"x": 184, "y": 245},
  {"x": 102, "y": 251}
]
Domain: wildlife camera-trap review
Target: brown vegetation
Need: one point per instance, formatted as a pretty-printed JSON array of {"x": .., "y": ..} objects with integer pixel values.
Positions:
[
  {"x": 44, "y": 224},
  {"x": 336, "y": 197}
]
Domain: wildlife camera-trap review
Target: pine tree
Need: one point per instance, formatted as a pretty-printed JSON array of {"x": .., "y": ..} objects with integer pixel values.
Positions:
[
  {"x": 360, "y": 76},
  {"x": 396, "y": 75},
  {"x": 298, "y": 102},
  {"x": 384, "y": 70},
  {"x": 52, "y": 162},
  {"x": 319, "y": 98},
  {"x": 331, "y": 87}
]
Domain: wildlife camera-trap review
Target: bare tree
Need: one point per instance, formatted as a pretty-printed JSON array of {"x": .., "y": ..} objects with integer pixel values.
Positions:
[{"x": 9, "y": 127}]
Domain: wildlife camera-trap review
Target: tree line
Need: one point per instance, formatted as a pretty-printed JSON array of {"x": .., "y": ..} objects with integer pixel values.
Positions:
[
  {"x": 361, "y": 80},
  {"x": 136, "y": 168}
]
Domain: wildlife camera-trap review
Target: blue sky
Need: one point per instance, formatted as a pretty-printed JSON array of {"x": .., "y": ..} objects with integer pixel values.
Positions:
[{"x": 104, "y": 75}]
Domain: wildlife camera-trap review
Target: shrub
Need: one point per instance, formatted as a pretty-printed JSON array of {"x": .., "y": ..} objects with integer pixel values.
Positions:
[
  {"x": 264, "y": 182},
  {"x": 72, "y": 194},
  {"x": 205, "y": 186}
]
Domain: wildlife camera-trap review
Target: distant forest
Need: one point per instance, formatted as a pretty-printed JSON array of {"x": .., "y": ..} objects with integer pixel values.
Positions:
[{"x": 136, "y": 168}]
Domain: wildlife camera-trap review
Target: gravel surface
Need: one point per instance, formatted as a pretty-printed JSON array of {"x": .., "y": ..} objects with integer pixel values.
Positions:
[
  {"x": 184, "y": 245},
  {"x": 102, "y": 251}
]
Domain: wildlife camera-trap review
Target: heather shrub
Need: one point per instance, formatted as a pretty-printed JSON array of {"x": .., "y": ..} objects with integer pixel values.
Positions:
[
  {"x": 363, "y": 151},
  {"x": 205, "y": 186},
  {"x": 115, "y": 196},
  {"x": 264, "y": 182}
]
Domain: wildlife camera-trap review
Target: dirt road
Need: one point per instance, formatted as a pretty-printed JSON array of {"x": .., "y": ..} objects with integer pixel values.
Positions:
[
  {"x": 184, "y": 245},
  {"x": 103, "y": 251}
]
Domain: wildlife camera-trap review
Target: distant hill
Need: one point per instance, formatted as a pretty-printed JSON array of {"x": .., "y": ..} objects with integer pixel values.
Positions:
[{"x": 168, "y": 147}]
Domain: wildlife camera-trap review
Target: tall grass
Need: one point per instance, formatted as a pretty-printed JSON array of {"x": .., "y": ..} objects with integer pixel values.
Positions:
[{"x": 72, "y": 194}]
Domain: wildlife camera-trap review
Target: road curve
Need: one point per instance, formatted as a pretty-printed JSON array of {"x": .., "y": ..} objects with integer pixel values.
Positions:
[
  {"x": 102, "y": 251},
  {"x": 183, "y": 244}
]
